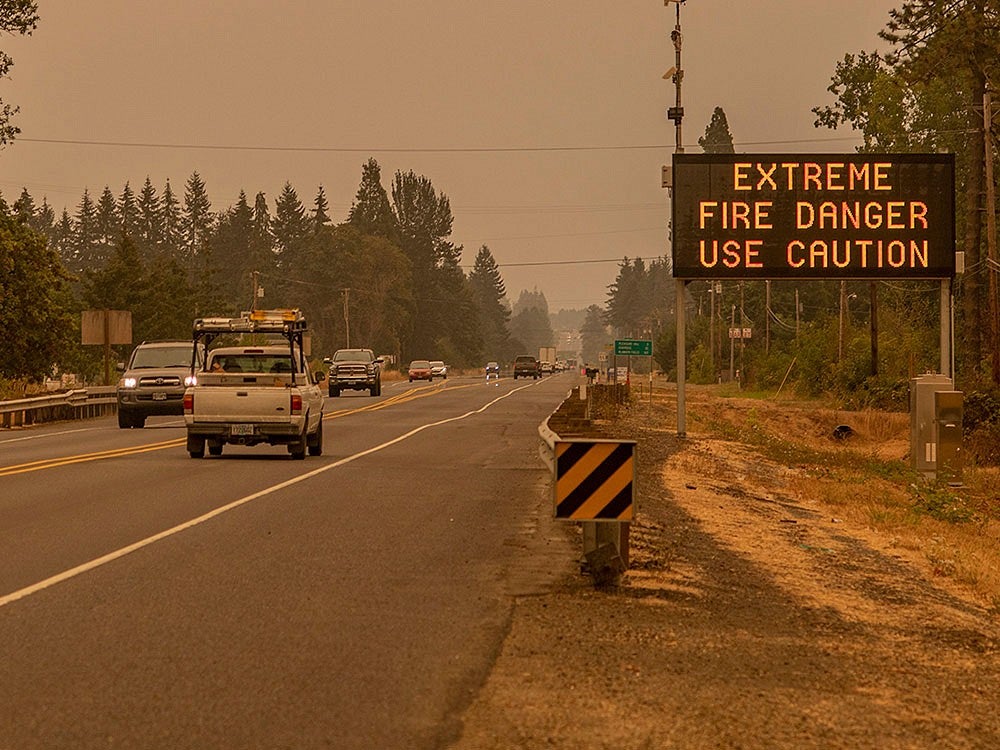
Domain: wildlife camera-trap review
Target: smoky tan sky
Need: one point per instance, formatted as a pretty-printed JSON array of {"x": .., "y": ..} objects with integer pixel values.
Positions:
[{"x": 543, "y": 122}]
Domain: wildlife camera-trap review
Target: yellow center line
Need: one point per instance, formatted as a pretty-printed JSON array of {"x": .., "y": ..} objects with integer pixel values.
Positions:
[{"x": 51, "y": 463}]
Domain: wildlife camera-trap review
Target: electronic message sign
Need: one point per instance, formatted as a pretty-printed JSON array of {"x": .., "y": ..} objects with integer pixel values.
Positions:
[{"x": 820, "y": 216}]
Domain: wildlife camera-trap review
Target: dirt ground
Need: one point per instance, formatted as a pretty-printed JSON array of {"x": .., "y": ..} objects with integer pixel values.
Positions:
[{"x": 749, "y": 618}]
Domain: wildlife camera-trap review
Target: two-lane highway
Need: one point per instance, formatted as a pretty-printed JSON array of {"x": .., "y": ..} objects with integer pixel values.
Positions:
[{"x": 352, "y": 600}]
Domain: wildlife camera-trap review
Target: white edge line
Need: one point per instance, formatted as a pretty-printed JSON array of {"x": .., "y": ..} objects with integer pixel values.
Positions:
[{"x": 119, "y": 553}]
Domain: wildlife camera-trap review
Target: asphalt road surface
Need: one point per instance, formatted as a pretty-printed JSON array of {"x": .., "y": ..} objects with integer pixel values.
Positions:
[{"x": 352, "y": 600}]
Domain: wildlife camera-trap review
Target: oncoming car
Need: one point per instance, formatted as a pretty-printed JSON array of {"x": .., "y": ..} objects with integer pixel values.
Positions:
[
  {"x": 420, "y": 369},
  {"x": 153, "y": 381},
  {"x": 439, "y": 369}
]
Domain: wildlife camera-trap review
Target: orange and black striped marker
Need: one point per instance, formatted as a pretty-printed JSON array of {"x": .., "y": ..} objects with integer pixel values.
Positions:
[{"x": 595, "y": 480}]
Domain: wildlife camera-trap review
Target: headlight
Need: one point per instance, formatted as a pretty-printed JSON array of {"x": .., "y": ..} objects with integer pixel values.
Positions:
[
  {"x": 129, "y": 382},
  {"x": 190, "y": 380}
]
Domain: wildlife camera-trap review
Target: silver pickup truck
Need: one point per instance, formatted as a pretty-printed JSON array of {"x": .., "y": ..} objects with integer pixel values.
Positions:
[{"x": 248, "y": 394}]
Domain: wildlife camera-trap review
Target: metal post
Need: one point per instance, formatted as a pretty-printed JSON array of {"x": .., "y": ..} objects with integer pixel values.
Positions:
[
  {"x": 676, "y": 113},
  {"x": 681, "y": 359},
  {"x": 946, "y": 360}
]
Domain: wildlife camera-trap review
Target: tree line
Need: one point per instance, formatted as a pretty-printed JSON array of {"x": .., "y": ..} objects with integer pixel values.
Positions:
[{"x": 387, "y": 277}]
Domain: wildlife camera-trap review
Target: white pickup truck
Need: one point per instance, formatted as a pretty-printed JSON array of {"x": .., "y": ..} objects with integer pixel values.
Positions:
[{"x": 250, "y": 393}]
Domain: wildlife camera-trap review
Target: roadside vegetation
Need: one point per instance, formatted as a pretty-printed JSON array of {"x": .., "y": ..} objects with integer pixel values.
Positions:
[{"x": 864, "y": 478}]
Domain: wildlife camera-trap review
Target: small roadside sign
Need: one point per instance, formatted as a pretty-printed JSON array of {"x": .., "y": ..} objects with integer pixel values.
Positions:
[
  {"x": 595, "y": 480},
  {"x": 633, "y": 348}
]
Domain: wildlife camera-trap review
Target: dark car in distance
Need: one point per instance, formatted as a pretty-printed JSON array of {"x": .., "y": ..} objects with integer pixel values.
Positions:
[{"x": 526, "y": 366}]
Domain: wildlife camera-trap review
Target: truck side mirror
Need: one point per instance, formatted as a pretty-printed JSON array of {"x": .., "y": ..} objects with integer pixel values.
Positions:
[{"x": 319, "y": 376}]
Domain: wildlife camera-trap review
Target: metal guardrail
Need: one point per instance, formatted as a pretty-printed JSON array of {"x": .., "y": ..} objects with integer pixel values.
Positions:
[
  {"x": 81, "y": 403},
  {"x": 548, "y": 438}
]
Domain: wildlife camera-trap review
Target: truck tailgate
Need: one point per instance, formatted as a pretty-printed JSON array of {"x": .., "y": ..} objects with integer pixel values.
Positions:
[{"x": 242, "y": 404}]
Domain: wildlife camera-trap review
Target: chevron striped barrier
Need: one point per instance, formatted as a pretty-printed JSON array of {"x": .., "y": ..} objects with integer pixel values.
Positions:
[{"x": 594, "y": 480}]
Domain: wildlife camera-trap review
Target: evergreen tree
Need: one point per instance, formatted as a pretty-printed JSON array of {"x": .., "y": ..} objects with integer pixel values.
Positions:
[
  {"x": 717, "y": 138},
  {"x": 530, "y": 322},
  {"x": 35, "y": 302},
  {"x": 65, "y": 237},
  {"x": 16, "y": 17},
  {"x": 108, "y": 226},
  {"x": 24, "y": 208},
  {"x": 289, "y": 225},
  {"x": 489, "y": 293},
  {"x": 84, "y": 252},
  {"x": 629, "y": 302},
  {"x": 320, "y": 212},
  {"x": 527, "y": 300},
  {"x": 424, "y": 220},
  {"x": 371, "y": 212},
  {"x": 594, "y": 336},
  {"x": 128, "y": 212},
  {"x": 230, "y": 244},
  {"x": 172, "y": 225},
  {"x": 44, "y": 220},
  {"x": 262, "y": 222},
  {"x": 461, "y": 337},
  {"x": 169, "y": 305},
  {"x": 119, "y": 284},
  {"x": 150, "y": 220},
  {"x": 197, "y": 219}
]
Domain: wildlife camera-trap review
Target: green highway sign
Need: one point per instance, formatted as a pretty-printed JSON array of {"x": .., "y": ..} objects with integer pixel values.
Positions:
[{"x": 633, "y": 348}]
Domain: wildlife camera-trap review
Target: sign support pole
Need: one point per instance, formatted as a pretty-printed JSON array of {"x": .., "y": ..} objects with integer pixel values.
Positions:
[
  {"x": 681, "y": 359},
  {"x": 946, "y": 358}
]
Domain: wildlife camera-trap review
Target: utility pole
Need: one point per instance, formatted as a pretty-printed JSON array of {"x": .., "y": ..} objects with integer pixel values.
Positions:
[
  {"x": 675, "y": 114},
  {"x": 254, "y": 289}
]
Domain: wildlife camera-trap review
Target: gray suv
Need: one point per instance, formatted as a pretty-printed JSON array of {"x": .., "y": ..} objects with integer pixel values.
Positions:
[{"x": 154, "y": 381}]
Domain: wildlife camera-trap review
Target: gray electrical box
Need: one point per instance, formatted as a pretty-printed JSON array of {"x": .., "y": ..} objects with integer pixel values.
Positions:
[
  {"x": 923, "y": 420},
  {"x": 948, "y": 415}
]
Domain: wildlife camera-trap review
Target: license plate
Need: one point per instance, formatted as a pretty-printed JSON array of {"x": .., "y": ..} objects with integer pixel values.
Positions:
[
  {"x": 159, "y": 396},
  {"x": 241, "y": 429}
]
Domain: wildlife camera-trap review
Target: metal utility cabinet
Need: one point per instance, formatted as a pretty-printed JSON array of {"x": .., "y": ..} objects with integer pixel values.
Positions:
[
  {"x": 948, "y": 416},
  {"x": 935, "y": 425}
]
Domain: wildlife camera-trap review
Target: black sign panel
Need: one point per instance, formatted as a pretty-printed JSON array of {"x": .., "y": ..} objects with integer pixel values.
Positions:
[{"x": 820, "y": 216}]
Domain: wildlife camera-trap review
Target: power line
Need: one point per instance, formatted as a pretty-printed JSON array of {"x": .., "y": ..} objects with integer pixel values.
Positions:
[
  {"x": 402, "y": 149},
  {"x": 571, "y": 234}
]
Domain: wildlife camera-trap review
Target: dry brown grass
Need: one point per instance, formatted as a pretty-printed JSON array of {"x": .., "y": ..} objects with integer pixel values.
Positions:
[{"x": 865, "y": 479}]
